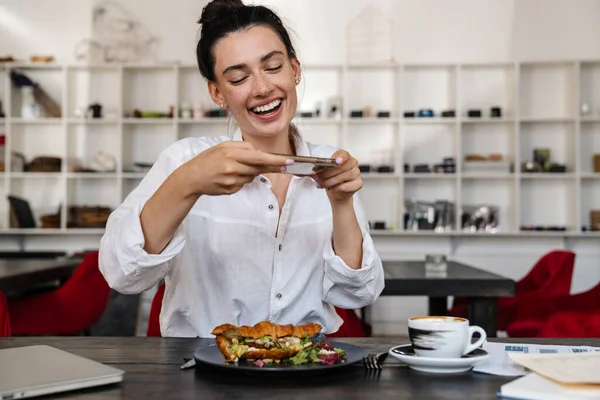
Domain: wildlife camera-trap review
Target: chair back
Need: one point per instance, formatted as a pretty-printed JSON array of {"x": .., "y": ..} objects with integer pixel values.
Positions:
[
  {"x": 154, "y": 316},
  {"x": 71, "y": 309},
  {"x": 4, "y": 317},
  {"x": 551, "y": 275}
]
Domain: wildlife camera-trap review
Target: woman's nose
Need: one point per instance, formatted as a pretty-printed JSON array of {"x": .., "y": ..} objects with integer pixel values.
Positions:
[{"x": 262, "y": 87}]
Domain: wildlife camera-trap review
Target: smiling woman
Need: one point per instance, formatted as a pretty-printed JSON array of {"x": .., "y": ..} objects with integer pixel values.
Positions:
[{"x": 237, "y": 238}]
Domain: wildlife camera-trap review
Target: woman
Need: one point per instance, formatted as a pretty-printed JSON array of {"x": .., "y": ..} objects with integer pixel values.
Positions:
[{"x": 236, "y": 240}]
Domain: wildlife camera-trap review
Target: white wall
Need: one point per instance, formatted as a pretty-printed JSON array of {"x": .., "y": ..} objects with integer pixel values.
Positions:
[{"x": 425, "y": 31}]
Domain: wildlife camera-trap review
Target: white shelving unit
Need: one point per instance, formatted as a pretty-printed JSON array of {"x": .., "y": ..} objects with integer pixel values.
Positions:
[{"x": 540, "y": 104}]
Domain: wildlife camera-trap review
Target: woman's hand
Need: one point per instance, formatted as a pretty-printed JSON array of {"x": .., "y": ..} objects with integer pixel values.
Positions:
[
  {"x": 227, "y": 167},
  {"x": 342, "y": 181}
]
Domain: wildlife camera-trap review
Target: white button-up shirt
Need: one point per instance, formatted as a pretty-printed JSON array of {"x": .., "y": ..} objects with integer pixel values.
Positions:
[{"x": 229, "y": 263}]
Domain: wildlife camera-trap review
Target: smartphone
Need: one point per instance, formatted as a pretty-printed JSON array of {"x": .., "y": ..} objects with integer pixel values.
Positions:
[{"x": 308, "y": 166}]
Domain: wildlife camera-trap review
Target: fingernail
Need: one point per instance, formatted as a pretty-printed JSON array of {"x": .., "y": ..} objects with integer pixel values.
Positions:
[
  {"x": 339, "y": 160},
  {"x": 283, "y": 169},
  {"x": 289, "y": 162}
]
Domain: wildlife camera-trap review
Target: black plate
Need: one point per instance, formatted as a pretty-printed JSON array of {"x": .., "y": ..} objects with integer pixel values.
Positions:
[
  {"x": 408, "y": 350},
  {"x": 212, "y": 357}
]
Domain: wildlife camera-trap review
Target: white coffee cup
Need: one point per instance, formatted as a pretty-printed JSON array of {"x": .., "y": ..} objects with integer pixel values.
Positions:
[{"x": 443, "y": 337}]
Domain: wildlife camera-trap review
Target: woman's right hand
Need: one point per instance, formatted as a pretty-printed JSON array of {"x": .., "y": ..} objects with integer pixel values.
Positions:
[{"x": 227, "y": 167}]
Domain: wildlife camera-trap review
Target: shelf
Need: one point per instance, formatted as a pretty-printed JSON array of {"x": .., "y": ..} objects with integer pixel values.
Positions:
[
  {"x": 35, "y": 175},
  {"x": 428, "y": 121},
  {"x": 430, "y": 175},
  {"x": 148, "y": 121},
  {"x": 547, "y": 175},
  {"x": 373, "y": 120},
  {"x": 590, "y": 175},
  {"x": 91, "y": 175},
  {"x": 487, "y": 175},
  {"x": 204, "y": 121},
  {"x": 547, "y": 120},
  {"x": 134, "y": 175},
  {"x": 90, "y": 121},
  {"x": 379, "y": 175},
  {"x": 43, "y": 231},
  {"x": 39, "y": 121},
  {"x": 467, "y": 120},
  {"x": 508, "y": 234}
]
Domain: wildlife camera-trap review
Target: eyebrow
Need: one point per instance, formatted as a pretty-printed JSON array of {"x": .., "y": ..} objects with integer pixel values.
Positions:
[{"x": 262, "y": 59}]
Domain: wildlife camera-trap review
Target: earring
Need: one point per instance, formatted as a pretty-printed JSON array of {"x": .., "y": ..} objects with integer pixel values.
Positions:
[
  {"x": 298, "y": 81},
  {"x": 222, "y": 105}
]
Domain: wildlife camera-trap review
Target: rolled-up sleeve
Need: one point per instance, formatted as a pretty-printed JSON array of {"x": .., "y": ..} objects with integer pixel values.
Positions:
[
  {"x": 349, "y": 288},
  {"x": 126, "y": 266}
]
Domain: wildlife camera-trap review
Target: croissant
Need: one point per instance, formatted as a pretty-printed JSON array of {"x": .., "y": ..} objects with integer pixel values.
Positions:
[{"x": 264, "y": 340}]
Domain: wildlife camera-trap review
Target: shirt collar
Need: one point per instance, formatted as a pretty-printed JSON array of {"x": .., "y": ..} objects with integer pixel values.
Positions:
[{"x": 301, "y": 146}]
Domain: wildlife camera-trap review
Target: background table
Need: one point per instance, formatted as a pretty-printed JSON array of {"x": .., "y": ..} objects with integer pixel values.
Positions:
[
  {"x": 151, "y": 368},
  {"x": 20, "y": 274},
  {"x": 482, "y": 288}
]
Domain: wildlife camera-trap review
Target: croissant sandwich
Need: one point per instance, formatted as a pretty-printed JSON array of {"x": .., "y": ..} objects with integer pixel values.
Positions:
[{"x": 264, "y": 340}]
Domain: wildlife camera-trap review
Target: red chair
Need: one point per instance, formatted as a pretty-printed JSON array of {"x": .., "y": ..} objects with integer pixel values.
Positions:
[
  {"x": 4, "y": 317},
  {"x": 69, "y": 310},
  {"x": 551, "y": 276},
  {"x": 571, "y": 324},
  {"x": 531, "y": 315},
  {"x": 352, "y": 326}
]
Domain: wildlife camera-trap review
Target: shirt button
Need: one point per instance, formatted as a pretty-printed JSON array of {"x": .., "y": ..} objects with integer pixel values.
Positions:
[
  {"x": 280, "y": 247},
  {"x": 271, "y": 206},
  {"x": 263, "y": 180},
  {"x": 278, "y": 295}
]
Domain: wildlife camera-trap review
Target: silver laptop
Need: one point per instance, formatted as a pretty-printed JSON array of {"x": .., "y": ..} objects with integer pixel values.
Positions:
[{"x": 39, "y": 370}]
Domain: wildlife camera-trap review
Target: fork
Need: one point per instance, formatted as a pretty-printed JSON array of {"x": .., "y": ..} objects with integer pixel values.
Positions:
[{"x": 373, "y": 360}]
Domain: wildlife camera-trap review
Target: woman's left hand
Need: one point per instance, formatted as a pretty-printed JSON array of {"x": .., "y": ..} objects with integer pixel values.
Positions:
[{"x": 342, "y": 181}]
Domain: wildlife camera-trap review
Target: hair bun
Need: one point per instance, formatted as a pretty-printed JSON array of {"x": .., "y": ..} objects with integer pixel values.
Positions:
[{"x": 218, "y": 9}]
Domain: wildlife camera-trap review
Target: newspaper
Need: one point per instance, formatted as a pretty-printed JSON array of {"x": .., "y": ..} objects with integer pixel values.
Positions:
[{"x": 500, "y": 363}]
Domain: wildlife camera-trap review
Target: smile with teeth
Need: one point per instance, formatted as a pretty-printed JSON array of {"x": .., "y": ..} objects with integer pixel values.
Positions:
[{"x": 267, "y": 107}]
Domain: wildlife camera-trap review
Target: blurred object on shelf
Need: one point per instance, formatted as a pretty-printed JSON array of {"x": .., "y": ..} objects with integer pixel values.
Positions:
[
  {"x": 367, "y": 112},
  {"x": 2, "y": 114},
  {"x": 595, "y": 220},
  {"x": 29, "y": 107},
  {"x": 364, "y": 168},
  {"x": 40, "y": 59},
  {"x": 383, "y": 114},
  {"x": 21, "y": 81},
  {"x": 152, "y": 114},
  {"x": 475, "y": 113},
  {"x": 21, "y": 215},
  {"x": 585, "y": 109},
  {"x": 377, "y": 225},
  {"x": 216, "y": 113},
  {"x": 116, "y": 37},
  {"x": 447, "y": 166},
  {"x": 409, "y": 114},
  {"x": 495, "y": 112},
  {"x": 198, "y": 111},
  {"x": 333, "y": 106},
  {"x": 448, "y": 114},
  {"x": 356, "y": 114},
  {"x": 96, "y": 110},
  {"x": 421, "y": 168},
  {"x": 425, "y": 216},
  {"x": 185, "y": 110},
  {"x": 385, "y": 169},
  {"x": 44, "y": 164},
  {"x": 102, "y": 162},
  {"x": 88, "y": 217},
  {"x": 142, "y": 166},
  {"x": 2, "y": 148},
  {"x": 543, "y": 228},
  {"x": 480, "y": 218},
  {"x": 52, "y": 221},
  {"x": 17, "y": 162},
  {"x": 426, "y": 113},
  {"x": 369, "y": 37},
  {"x": 7, "y": 59},
  {"x": 596, "y": 158},
  {"x": 493, "y": 163},
  {"x": 541, "y": 163}
]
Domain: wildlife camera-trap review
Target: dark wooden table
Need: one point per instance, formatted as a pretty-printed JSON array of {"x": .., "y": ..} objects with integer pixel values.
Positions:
[
  {"x": 20, "y": 274},
  {"x": 152, "y": 371},
  {"x": 409, "y": 278}
]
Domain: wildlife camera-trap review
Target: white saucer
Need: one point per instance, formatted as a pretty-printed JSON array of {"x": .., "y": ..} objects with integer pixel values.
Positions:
[{"x": 406, "y": 354}]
